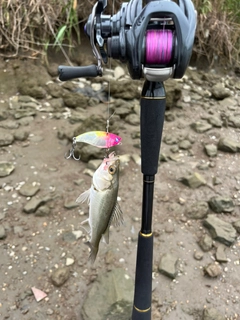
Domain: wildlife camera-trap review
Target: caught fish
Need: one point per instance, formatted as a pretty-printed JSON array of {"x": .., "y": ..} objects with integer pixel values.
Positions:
[
  {"x": 104, "y": 209},
  {"x": 100, "y": 139}
]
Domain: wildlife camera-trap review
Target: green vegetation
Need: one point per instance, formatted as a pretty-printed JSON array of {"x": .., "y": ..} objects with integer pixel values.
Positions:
[{"x": 30, "y": 27}]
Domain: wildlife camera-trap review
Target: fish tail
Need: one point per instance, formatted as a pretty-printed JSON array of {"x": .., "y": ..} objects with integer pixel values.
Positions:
[{"x": 93, "y": 252}]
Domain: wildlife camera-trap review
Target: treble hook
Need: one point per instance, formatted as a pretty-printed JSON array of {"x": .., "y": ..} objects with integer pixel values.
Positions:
[{"x": 71, "y": 151}]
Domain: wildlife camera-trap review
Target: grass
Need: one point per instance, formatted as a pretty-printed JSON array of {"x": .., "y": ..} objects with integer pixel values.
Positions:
[{"x": 30, "y": 27}]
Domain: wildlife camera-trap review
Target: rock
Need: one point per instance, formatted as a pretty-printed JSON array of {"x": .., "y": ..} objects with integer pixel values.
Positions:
[
  {"x": 118, "y": 89},
  {"x": 198, "y": 255},
  {"x": 228, "y": 145},
  {"x": 220, "y": 230},
  {"x": 75, "y": 99},
  {"x": 57, "y": 104},
  {"x": 206, "y": 243},
  {"x": 29, "y": 189},
  {"x": 212, "y": 314},
  {"x": 215, "y": 121},
  {"x": 220, "y": 254},
  {"x": 170, "y": 139},
  {"x": 6, "y": 168},
  {"x": 133, "y": 119},
  {"x": 185, "y": 144},
  {"x": 119, "y": 72},
  {"x": 234, "y": 121},
  {"x": 111, "y": 295},
  {"x": 213, "y": 270},
  {"x": 193, "y": 181},
  {"x": 236, "y": 225},
  {"x": 211, "y": 150},
  {"x": 2, "y": 232},
  {"x": 6, "y": 138},
  {"x": 167, "y": 265},
  {"x": 122, "y": 108},
  {"x": 72, "y": 236},
  {"x": 55, "y": 90},
  {"x": 9, "y": 124},
  {"x": 42, "y": 211},
  {"x": 33, "y": 204},
  {"x": 60, "y": 276},
  {"x": 69, "y": 261},
  {"x": 3, "y": 111},
  {"x": 201, "y": 126},
  {"x": 220, "y": 204},
  {"x": 173, "y": 93},
  {"x": 96, "y": 123},
  {"x": 29, "y": 88},
  {"x": 70, "y": 204},
  {"x": 220, "y": 92},
  {"x": 21, "y": 134},
  {"x": 89, "y": 152},
  {"x": 197, "y": 210},
  {"x": 94, "y": 164}
]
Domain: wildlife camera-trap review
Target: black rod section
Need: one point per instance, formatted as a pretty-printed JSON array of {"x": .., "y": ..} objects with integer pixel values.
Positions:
[{"x": 153, "y": 104}]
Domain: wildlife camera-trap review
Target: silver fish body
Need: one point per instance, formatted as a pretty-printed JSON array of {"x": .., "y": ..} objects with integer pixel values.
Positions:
[{"x": 104, "y": 209}]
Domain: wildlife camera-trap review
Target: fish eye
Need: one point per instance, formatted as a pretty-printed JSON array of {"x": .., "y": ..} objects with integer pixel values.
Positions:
[{"x": 112, "y": 169}]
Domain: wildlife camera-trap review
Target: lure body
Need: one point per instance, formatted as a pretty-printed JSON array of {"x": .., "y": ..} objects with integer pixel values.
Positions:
[
  {"x": 104, "y": 209},
  {"x": 100, "y": 139}
]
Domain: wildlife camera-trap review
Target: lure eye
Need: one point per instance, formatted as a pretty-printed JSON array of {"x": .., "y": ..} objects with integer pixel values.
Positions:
[{"x": 112, "y": 169}]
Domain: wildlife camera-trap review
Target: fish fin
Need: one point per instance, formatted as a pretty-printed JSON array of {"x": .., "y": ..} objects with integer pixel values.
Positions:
[
  {"x": 117, "y": 216},
  {"x": 84, "y": 196},
  {"x": 105, "y": 236},
  {"x": 93, "y": 252},
  {"x": 85, "y": 229}
]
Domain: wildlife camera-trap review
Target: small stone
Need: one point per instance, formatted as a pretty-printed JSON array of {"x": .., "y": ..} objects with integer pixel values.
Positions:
[
  {"x": 212, "y": 314},
  {"x": 2, "y": 232},
  {"x": 133, "y": 119},
  {"x": 70, "y": 204},
  {"x": 236, "y": 225},
  {"x": 211, "y": 150},
  {"x": 38, "y": 294},
  {"x": 42, "y": 211},
  {"x": 198, "y": 255},
  {"x": 185, "y": 144},
  {"x": 6, "y": 168},
  {"x": 220, "y": 92},
  {"x": 201, "y": 126},
  {"x": 215, "y": 121},
  {"x": 220, "y": 254},
  {"x": 228, "y": 145},
  {"x": 197, "y": 210},
  {"x": 213, "y": 270},
  {"x": 220, "y": 230},
  {"x": 94, "y": 164},
  {"x": 77, "y": 234},
  {"x": 6, "y": 138},
  {"x": 119, "y": 72},
  {"x": 60, "y": 276},
  {"x": 220, "y": 204},
  {"x": 193, "y": 181},
  {"x": 33, "y": 204},
  {"x": 167, "y": 265},
  {"x": 206, "y": 243},
  {"x": 69, "y": 261},
  {"x": 29, "y": 189},
  {"x": 136, "y": 158}
]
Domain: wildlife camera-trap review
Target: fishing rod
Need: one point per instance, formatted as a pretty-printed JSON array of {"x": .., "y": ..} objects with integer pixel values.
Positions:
[{"x": 155, "y": 41}]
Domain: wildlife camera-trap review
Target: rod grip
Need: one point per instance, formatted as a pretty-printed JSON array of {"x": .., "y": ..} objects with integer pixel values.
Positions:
[
  {"x": 68, "y": 73},
  {"x": 143, "y": 278},
  {"x": 153, "y": 103}
]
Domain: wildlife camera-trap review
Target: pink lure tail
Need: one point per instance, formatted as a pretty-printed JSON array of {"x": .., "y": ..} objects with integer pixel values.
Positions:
[{"x": 100, "y": 139}]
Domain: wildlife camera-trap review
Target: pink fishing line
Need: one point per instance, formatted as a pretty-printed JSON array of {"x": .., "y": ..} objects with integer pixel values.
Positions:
[{"x": 159, "y": 46}]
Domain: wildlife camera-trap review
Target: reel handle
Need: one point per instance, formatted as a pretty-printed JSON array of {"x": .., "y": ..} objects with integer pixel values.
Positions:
[{"x": 68, "y": 73}]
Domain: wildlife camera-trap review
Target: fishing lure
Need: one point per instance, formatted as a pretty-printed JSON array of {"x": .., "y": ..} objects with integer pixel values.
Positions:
[{"x": 100, "y": 139}]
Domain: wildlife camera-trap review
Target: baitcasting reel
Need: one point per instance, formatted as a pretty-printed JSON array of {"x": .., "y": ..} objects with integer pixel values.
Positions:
[{"x": 155, "y": 41}]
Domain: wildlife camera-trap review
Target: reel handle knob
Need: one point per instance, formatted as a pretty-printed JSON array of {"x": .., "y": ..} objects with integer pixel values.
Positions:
[{"x": 68, "y": 73}]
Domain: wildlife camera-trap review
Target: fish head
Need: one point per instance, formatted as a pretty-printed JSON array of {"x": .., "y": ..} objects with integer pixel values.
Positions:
[{"x": 108, "y": 172}]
